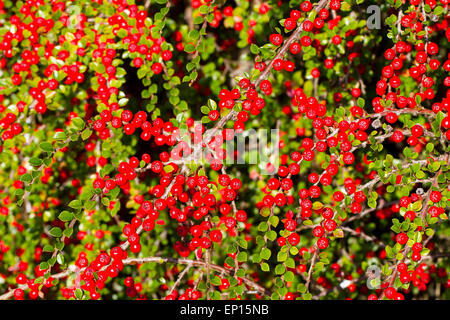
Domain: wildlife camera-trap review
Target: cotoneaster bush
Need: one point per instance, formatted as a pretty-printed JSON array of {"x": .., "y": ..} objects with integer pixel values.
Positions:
[{"x": 97, "y": 203}]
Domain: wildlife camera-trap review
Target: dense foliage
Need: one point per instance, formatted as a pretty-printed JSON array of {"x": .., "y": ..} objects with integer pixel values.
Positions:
[{"x": 98, "y": 98}]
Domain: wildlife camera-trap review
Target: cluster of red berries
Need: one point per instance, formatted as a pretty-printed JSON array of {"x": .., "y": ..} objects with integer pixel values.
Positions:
[{"x": 10, "y": 127}]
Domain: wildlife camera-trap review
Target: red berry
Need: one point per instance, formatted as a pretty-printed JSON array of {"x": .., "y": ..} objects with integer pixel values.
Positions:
[{"x": 401, "y": 238}]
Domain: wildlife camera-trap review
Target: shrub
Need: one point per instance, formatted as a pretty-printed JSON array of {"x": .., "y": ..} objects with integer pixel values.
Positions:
[{"x": 116, "y": 177}]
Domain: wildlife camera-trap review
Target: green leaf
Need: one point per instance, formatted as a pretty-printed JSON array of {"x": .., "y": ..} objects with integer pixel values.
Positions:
[
  {"x": 198, "y": 20},
  {"x": 26, "y": 178},
  {"x": 360, "y": 102},
  {"x": 242, "y": 243},
  {"x": 122, "y": 102},
  {"x": 340, "y": 112},
  {"x": 229, "y": 261},
  {"x": 105, "y": 201},
  {"x": 60, "y": 258},
  {"x": 438, "y": 10},
  {"x": 271, "y": 235},
  {"x": 194, "y": 34},
  {"x": 56, "y": 232},
  {"x": 265, "y": 253},
  {"x": 189, "y": 48},
  {"x": 204, "y": 109},
  {"x": 242, "y": 257},
  {"x": 65, "y": 216},
  {"x": 43, "y": 265},
  {"x": 48, "y": 248},
  {"x": 210, "y": 17},
  {"x": 46, "y": 146},
  {"x": 435, "y": 166},
  {"x": 141, "y": 74},
  {"x": 281, "y": 256},
  {"x": 289, "y": 276},
  {"x": 280, "y": 269},
  {"x": 254, "y": 49},
  {"x": 78, "y": 291},
  {"x": 290, "y": 263},
  {"x": 265, "y": 267},
  {"x": 293, "y": 251},
  {"x": 60, "y": 135},
  {"x": 204, "y": 9},
  {"x": 273, "y": 220},
  {"x": 265, "y": 211},
  {"x": 301, "y": 288},
  {"x": 86, "y": 134},
  {"x": 19, "y": 193},
  {"x": 418, "y": 99},
  {"x": 212, "y": 104},
  {"x": 263, "y": 226},
  {"x": 35, "y": 162},
  {"x": 122, "y": 33},
  {"x": 390, "y": 189},
  {"x": 389, "y": 252},
  {"x": 78, "y": 123},
  {"x": 319, "y": 266},
  {"x": 216, "y": 281},
  {"x": 76, "y": 204},
  {"x": 317, "y": 205}
]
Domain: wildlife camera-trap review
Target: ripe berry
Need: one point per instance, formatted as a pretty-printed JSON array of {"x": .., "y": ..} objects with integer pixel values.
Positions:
[
  {"x": 417, "y": 247},
  {"x": 276, "y": 39},
  {"x": 19, "y": 294},
  {"x": 294, "y": 239},
  {"x": 417, "y": 130},
  {"x": 213, "y": 115},
  {"x": 306, "y": 6},
  {"x": 435, "y": 196},
  {"x": 390, "y": 292},
  {"x": 290, "y": 24},
  {"x": 318, "y": 231},
  {"x": 215, "y": 235},
  {"x": 322, "y": 243},
  {"x": 401, "y": 238}
]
